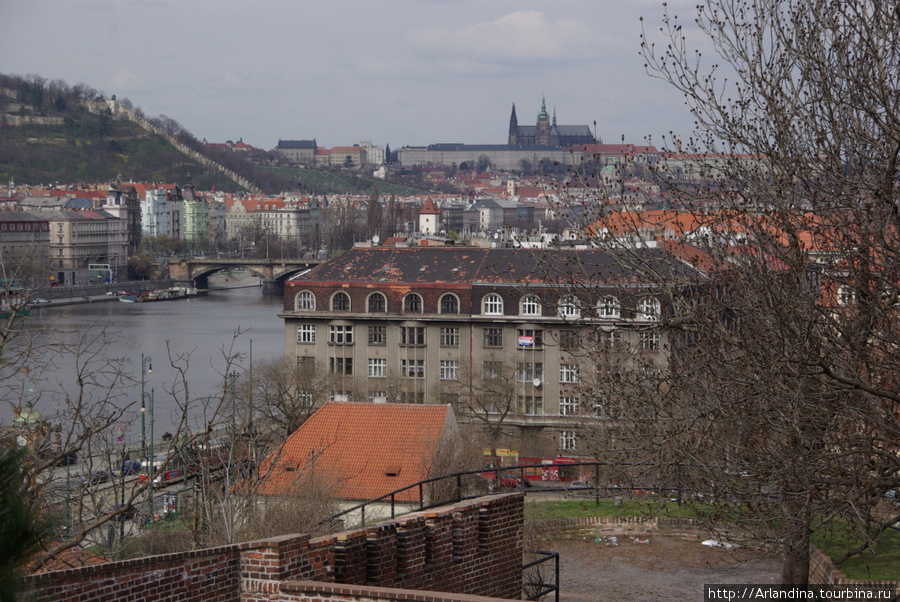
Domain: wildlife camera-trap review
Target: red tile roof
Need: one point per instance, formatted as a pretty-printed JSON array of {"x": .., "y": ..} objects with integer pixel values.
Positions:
[{"x": 369, "y": 449}]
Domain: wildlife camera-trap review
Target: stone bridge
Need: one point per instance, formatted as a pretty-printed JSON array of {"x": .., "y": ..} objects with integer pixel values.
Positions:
[{"x": 273, "y": 272}]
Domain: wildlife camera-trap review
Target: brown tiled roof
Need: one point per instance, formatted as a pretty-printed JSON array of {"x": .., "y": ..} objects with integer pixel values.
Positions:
[
  {"x": 470, "y": 265},
  {"x": 70, "y": 558},
  {"x": 369, "y": 449}
]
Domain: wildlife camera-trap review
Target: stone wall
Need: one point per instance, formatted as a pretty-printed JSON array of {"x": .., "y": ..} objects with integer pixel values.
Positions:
[{"x": 472, "y": 548}]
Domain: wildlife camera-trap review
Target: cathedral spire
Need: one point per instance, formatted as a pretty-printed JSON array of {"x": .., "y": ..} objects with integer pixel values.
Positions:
[
  {"x": 543, "y": 113},
  {"x": 513, "y": 127},
  {"x": 554, "y": 116}
]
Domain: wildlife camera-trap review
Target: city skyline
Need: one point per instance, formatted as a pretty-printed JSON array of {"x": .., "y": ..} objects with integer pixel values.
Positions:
[{"x": 399, "y": 72}]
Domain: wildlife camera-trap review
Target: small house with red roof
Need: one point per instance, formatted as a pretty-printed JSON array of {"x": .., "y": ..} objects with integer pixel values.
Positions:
[{"x": 367, "y": 449}]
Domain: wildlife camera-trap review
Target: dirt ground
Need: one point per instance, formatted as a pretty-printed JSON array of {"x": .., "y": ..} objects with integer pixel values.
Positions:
[{"x": 667, "y": 568}]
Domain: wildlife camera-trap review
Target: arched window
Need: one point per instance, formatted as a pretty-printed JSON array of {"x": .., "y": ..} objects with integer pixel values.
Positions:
[
  {"x": 340, "y": 302},
  {"x": 449, "y": 304},
  {"x": 569, "y": 309},
  {"x": 306, "y": 301},
  {"x": 609, "y": 307},
  {"x": 412, "y": 304},
  {"x": 648, "y": 309},
  {"x": 492, "y": 305},
  {"x": 377, "y": 303},
  {"x": 531, "y": 306}
]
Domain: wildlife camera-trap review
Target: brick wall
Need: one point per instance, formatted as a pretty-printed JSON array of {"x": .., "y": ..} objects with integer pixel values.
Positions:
[
  {"x": 471, "y": 548},
  {"x": 823, "y": 571}
]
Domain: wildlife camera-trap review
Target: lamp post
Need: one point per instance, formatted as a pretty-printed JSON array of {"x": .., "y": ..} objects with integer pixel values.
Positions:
[
  {"x": 152, "y": 469},
  {"x": 146, "y": 368}
]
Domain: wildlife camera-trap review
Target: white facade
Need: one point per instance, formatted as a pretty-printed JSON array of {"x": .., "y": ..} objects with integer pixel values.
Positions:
[{"x": 155, "y": 216}]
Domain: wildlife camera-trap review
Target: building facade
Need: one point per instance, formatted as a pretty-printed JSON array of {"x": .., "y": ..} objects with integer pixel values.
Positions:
[
  {"x": 25, "y": 247},
  {"x": 476, "y": 328}
]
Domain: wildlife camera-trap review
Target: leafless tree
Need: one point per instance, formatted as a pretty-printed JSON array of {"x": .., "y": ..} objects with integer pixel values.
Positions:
[{"x": 779, "y": 406}]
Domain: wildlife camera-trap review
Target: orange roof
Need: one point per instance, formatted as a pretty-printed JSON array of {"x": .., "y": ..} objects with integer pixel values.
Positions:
[
  {"x": 368, "y": 449},
  {"x": 70, "y": 558},
  {"x": 429, "y": 208}
]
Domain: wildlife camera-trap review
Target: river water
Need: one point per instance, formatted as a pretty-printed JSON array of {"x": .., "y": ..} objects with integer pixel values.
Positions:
[{"x": 197, "y": 334}]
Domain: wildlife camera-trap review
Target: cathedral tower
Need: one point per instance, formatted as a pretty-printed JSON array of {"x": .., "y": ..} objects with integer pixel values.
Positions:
[{"x": 513, "y": 127}]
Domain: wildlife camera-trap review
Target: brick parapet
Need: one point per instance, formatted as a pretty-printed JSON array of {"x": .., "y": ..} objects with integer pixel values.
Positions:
[
  {"x": 472, "y": 548},
  {"x": 308, "y": 591}
]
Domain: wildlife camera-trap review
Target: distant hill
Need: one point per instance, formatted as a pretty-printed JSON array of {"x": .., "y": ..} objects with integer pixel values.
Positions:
[{"x": 51, "y": 133}]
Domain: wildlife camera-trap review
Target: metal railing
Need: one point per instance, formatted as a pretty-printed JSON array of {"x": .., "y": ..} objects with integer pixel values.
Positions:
[{"x": 538, "y": 581}]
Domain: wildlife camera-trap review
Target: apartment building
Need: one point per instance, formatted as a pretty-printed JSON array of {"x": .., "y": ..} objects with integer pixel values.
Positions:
[
  {"x": 25, "y": 247},
  {"x": 501, "y": 334}
]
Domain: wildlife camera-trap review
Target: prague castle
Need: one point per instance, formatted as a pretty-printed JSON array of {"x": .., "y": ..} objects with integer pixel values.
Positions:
[{"x": 547, "y": 133}]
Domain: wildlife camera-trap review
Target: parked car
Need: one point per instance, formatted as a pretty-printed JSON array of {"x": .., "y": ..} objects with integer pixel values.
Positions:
[
  {"x": 508, "y": 480},
  {"x": 893, "y": 496},
  {"x": 131, "y": 467},
  {"x": 122, "y": 511},
  {"x": 94, "y": 478},
  {"x": 69, "y": 460},
  {"x": 580, "y": 488},
  {"x": 38, "y": 301}
]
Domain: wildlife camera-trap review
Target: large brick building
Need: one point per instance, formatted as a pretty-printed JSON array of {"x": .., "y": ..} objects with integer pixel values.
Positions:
[{"x": 501, "y": 334}]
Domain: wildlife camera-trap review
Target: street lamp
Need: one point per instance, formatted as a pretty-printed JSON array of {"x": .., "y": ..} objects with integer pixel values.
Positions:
[
  {"x": 146, "y": 368},
  {"x": 152, "y": 469}
]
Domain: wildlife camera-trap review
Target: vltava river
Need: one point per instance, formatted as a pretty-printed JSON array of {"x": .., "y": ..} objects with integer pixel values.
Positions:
[{"x": 198, "y": 334}]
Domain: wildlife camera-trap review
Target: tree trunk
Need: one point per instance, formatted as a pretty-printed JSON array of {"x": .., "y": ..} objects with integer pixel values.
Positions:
[{"x": 795, "y": 563}]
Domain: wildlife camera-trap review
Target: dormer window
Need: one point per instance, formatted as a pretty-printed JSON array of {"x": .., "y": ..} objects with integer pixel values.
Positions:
[
  {"x": 340, "y": 302},
  {"x": 412, "y": 304},
  {"x": 377, "y": 303},
  {"x": 568, "y": 308},
  {"x": 609, "y": 308},
  {"x": 492, "y": 305},
  {"x": 648, "y": 309},
  {"x": 449, "y": 304},
  {"x": 531, "y": 306},
  {"x": 306, "y": 301}
]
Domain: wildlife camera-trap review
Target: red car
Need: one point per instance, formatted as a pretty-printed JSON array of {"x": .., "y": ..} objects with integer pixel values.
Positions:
[{"x": 508, "y": 480}]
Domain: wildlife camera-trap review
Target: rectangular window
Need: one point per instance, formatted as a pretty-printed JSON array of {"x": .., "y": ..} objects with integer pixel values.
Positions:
[
  {"x": 568, "y": 339},
  {"x": 449, "y": 398},
  {"x": 412, "y": 397},
  {"x": 529, "y": 338},
  {"x": 610, "y": 340},
  {"x": 306, "y": 333},
  {"x": 493, "y": 337},
  {"x": 377, "y": 367},
  {"x": 531, "y": 405},
  {"x": 377, "y": 335},
  {"x": 412, "y": 336},
  {"x": 568, "y": 373},
  {"x": 340, "y": 365},
  {"x": 568, "y": 406},
  {"x": 305, "y": 361},
  {"x": 650, "y": 341},
  {"x": 567, "y": 440},
  {"x": 412, "y": 368},
  {"x": 340, "y": 335},
  {"x": 339, "y": 396},
  {"x": 491, "y": 370},
  {"x": 526, "y": 372},
  {"x": 378, "y": 396},
  {"x": 449, "y": 370},
  {"x": 449, "y": 337}
]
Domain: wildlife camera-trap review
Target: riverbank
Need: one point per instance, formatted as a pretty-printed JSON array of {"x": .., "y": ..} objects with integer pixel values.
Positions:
[{"x": 101, "y": 293}]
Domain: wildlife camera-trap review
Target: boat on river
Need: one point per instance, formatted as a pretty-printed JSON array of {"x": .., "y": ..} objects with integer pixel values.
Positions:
[{"x": 163, "y": 294}]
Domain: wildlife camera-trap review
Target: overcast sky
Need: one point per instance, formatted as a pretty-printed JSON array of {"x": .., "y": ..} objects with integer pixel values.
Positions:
[{"x": 398, "y": 72}]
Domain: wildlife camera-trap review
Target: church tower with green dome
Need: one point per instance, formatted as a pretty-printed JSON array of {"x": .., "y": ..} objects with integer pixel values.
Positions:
[{"x": 542, "y": 133}]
